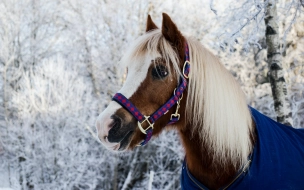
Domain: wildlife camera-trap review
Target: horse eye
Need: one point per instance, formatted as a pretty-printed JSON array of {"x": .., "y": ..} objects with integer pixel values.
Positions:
[{"x": 159, "y": 72}]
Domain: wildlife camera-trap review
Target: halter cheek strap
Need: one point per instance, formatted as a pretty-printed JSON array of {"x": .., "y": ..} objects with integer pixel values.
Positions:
[{"x": 175, "y": 99}]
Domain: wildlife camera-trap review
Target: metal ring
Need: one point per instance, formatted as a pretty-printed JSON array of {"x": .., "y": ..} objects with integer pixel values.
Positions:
[
  {"x": 181, "y": 97},
  {"x": 184, "y": 69}
]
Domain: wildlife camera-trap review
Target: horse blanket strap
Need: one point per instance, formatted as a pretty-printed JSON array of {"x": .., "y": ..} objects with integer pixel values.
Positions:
[
  {"x": 175, "y": 99},
  {"x": 276, "y": 162}
]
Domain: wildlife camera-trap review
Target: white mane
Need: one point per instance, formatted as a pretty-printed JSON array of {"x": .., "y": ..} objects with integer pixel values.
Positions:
[{"x": 216, "y": 106}]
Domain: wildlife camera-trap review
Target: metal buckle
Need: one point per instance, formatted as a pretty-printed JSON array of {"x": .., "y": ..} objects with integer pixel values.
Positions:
[
  {"x": 175, "y": 115},
  {"x": 140, "y": 123},
  {"x": 184, "y": 69}
]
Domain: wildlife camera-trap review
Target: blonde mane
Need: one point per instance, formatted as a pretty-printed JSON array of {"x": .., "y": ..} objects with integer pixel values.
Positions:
[{"x": 216, "y": 106}]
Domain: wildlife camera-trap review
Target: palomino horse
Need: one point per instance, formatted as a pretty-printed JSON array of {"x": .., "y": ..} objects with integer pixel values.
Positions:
[{"x": 174, "y": 82}]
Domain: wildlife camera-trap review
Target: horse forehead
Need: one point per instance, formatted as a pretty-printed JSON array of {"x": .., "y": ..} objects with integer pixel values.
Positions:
[
  {"x": 143, "y": 62},
  {"x": 137, "y": 73}
]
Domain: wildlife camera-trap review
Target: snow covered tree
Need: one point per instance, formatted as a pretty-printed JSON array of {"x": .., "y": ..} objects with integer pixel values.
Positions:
[{"x": 245, "y": 32}]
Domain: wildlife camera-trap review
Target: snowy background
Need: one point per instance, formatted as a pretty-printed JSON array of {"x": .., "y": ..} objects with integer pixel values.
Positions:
[{"x": 58, "y": 67}]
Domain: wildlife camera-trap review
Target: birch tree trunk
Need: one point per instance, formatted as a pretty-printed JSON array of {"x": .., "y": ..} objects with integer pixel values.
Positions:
[{"x": 274, "y": 59}]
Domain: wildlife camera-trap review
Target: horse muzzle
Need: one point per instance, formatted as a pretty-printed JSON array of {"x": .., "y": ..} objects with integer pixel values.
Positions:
[{"x": 114, "y": 132}]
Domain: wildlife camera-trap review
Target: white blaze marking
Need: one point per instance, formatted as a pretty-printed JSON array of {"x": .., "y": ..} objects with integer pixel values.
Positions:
[
  {"x": 137, "y": 72},
  {"x": 136, "y": 75}
]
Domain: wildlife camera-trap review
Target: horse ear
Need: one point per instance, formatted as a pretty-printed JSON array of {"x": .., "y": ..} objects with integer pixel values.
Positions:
[
  {"x": 150, "y": 24},
  {"x": 170, "y": 31}
]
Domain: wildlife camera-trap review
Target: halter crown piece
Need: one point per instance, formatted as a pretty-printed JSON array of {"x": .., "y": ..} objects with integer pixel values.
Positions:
[{"x": 175, "y": 99}]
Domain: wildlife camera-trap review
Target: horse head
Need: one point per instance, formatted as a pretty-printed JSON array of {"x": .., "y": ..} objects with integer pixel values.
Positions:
[{"x": 151, "y": 97}]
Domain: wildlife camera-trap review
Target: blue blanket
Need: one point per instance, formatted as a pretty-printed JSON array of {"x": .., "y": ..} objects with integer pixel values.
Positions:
[{"x": 277, "y": 160}]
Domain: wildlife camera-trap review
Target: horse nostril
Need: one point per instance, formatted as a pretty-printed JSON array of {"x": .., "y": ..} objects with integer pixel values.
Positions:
[
  {"x": 112, "y": 124},
  {"x": 116, "y": 122},
  {"x": 116, "y": 132}
]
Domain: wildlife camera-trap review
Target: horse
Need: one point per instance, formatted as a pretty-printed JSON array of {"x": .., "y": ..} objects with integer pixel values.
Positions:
[{"x": 174, "y": 82}]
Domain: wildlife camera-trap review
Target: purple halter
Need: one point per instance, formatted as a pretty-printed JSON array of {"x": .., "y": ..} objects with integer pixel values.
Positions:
[{"x": 175, "y": 99}]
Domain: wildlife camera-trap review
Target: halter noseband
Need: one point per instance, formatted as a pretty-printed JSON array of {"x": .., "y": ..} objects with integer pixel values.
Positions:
[{"x": 175, "y": 99}]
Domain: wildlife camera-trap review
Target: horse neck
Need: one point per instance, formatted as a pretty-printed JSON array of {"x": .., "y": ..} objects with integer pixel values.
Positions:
[
  {"x": 216, "y": 136},
  {"x": 201, "y": 161}
]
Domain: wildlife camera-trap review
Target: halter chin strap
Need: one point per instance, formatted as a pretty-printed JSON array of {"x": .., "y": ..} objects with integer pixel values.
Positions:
[{"x": 175, "y": 99}]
